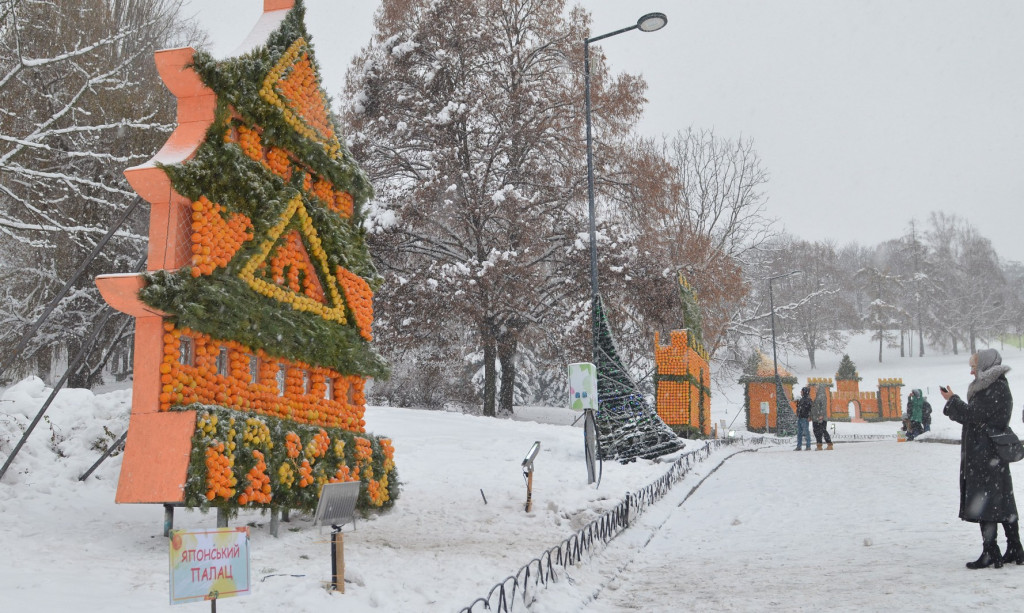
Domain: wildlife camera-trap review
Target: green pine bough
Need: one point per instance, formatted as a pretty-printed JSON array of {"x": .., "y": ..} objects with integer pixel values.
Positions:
[
  {"x": 284, "y": 447},
  {"x": 229, "y": 309}
]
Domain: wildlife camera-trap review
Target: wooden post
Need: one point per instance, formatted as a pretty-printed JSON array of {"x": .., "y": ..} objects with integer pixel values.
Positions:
[
  {"x": 529, "y": 490},
  {"x": 338, "y": 561},
  {"x": 222, "y": 518},
  {"x": 274, "y": 516}
]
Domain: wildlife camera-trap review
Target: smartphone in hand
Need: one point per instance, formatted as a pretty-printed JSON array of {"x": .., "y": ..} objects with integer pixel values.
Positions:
[{"x": 943, "y": 389}]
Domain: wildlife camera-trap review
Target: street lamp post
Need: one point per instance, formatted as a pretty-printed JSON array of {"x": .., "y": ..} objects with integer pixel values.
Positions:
[
  {"x": 648, "y": 23},
  {"x": 775, "y": 355}
]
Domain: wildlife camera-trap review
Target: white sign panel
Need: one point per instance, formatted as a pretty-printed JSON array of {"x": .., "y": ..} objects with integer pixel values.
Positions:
[{"x": 582, "y": 386}]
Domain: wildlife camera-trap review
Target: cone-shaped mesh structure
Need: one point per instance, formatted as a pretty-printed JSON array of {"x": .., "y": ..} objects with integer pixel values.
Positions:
[
  {"x": 785, "y": 418},
  {"x": 627, "y": 427}
]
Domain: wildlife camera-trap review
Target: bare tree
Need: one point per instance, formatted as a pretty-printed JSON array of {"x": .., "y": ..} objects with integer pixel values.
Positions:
[
  {"x": 80, "y": 102},
  {"x": 972, "y": 299},
  {"x": 721, "y": 184},
  {"x": 697, "y": 206},
  {"x": 816, "y": 320}
]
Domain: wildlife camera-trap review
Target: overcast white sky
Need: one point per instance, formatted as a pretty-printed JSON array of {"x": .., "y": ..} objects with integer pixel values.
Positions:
[{"x": 866, "y": 113}]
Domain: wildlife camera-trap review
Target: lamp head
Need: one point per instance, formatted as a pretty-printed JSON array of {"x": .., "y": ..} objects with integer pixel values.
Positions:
[
  {"x": 652, "y": 22},
  {"x": 530, "y": 455}
]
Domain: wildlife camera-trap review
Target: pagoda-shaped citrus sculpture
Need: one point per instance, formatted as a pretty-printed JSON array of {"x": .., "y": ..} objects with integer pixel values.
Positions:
[{"x": 253, "y": 321}]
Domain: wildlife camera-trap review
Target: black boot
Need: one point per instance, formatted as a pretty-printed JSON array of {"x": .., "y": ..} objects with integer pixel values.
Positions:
[
  {"x": 1014, "y": 552},
  {"x": 990, "y": 555}
]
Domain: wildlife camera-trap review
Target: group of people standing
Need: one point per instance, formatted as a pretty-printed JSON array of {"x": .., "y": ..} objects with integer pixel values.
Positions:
[
  {"x": 986, "y": 487},
  {"x": 810, "y": 410}
]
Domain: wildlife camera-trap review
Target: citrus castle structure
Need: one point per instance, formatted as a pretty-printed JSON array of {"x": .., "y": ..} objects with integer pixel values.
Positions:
[{"x": 253, "y": 339}]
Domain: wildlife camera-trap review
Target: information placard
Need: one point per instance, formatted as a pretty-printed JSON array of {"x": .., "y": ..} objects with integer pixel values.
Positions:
[
  {"x": 209, "y": 564},
  {"x": 582, "y": 386}
]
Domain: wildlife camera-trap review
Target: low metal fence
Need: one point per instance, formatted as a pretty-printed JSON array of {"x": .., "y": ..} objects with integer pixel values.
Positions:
[
  {"x": 520, "y": 588},
  {"x": 852, "y": 438}
]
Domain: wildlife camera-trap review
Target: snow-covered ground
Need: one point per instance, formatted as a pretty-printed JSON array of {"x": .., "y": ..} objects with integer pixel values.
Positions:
[{"x": 866, "y": 526}]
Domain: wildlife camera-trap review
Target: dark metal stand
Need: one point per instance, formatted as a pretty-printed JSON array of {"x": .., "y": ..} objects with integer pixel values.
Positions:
[
  {"x": 73, "y": 366},
  {"x": 106, "y": 454},
  {"x": 168, "y": 519},
  {"x": 590, "y": 444}
]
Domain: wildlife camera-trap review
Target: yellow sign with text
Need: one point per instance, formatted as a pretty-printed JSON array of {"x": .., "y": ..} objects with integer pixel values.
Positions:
[{"x": 209, "y": 564}]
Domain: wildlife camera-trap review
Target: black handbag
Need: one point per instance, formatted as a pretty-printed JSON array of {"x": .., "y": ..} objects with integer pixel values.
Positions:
[{"x": 1008, "y": 446}]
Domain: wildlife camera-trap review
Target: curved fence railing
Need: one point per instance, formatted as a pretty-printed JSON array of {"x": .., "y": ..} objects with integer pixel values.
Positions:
[
  {"x": 519, "y": 589},
  {"x": 863, "y": 437},
  {"x": 853, "y": 438}
]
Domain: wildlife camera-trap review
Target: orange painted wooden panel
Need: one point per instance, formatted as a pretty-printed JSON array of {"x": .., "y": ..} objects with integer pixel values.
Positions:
[
  {"x": 156, "y": 457},
  {"x": 121, "y": 292},
  {"x": 277, "y": 5},
  {"x": 178, "y": 249},
  {"x": 758, "y": 393},
  {"x": 149, "y": 353},
  {"x": 151, "y": 182},
  {"x": 182, "y": 81}
]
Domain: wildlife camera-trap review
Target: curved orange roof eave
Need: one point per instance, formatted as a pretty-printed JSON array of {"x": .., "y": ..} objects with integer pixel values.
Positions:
[{"x": 122, "y": 293}]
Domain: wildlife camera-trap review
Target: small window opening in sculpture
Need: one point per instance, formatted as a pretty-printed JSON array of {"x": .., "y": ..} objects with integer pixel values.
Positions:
[
  {"x": 222, "y": 362},
  {"x": 185, "y": 352}
]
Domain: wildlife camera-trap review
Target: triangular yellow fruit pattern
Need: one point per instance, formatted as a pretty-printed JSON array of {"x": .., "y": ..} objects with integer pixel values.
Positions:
[
  {"x": 289, "y": 266},
  {"x": 333, "y": 307},
  {"x": 293, "y": 86}
]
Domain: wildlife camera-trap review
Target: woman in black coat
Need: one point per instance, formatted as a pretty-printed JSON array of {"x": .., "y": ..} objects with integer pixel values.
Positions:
[{"x": 986, "y": 488}]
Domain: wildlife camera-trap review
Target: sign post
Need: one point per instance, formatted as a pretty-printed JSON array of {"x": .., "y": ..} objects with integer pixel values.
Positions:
[
  {"x": 528, "y": 473},
  {"x": 209, "y": 564},
  {"x": 583, "y": 397}
]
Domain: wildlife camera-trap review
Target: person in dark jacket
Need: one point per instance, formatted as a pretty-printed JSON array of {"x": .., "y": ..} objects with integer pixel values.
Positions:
[
  {"x": 819, "y": 415},
  {"x": 986, "y": 487},
  {"x": 803, "y": 414},
  {"x": 915, "y": 414}
]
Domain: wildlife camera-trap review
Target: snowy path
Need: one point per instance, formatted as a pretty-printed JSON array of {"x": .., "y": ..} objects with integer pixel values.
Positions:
[{"x": 777, "y": 530}]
